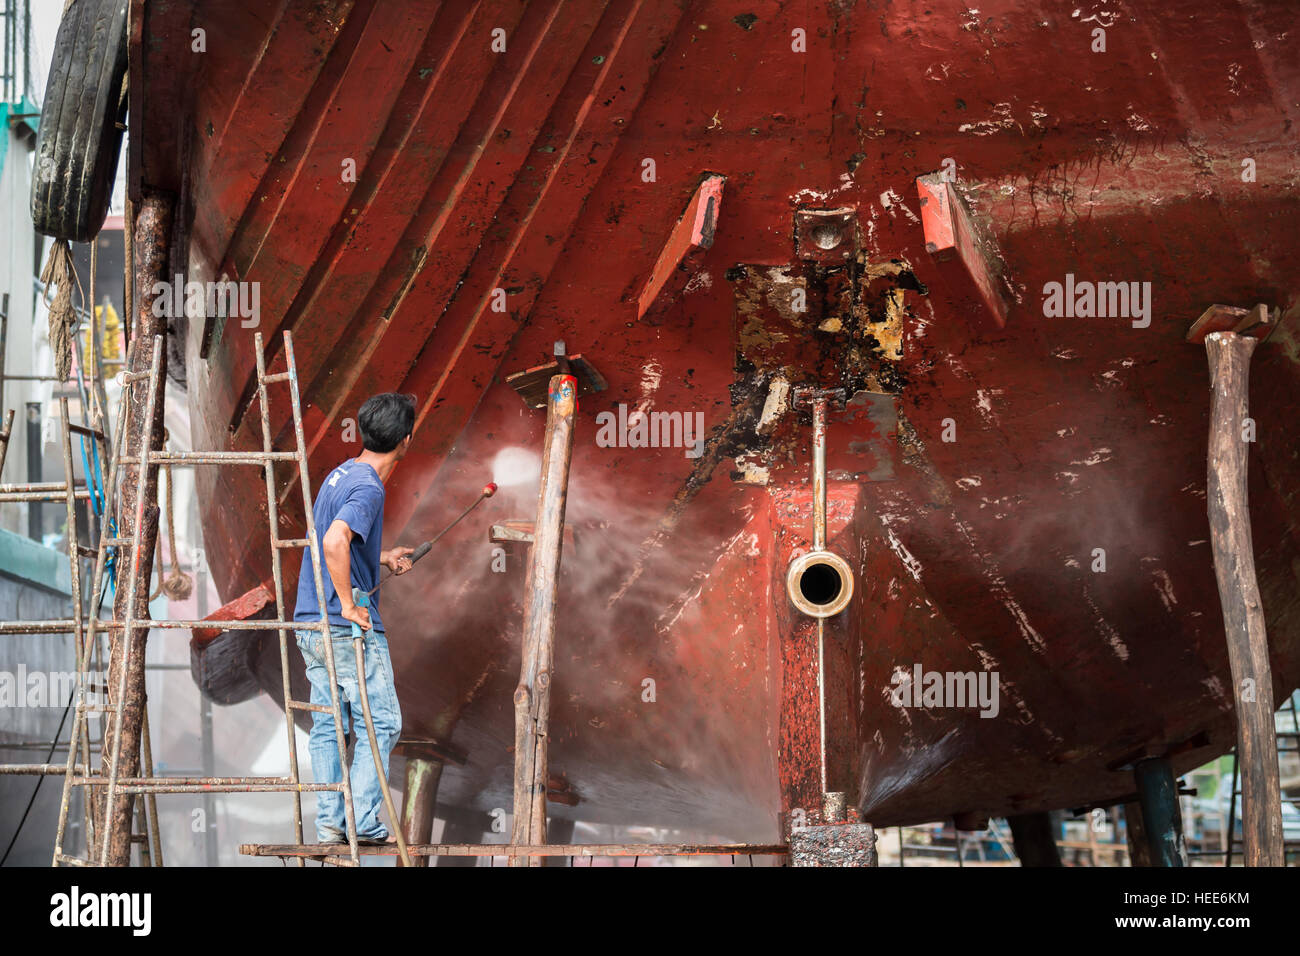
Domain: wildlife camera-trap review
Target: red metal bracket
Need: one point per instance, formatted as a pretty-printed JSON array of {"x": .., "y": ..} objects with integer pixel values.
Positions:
[
  {"x": 243, "y": 608},
  {"x": 966, "y": 264},
  {"x": 689, "y": 240}
]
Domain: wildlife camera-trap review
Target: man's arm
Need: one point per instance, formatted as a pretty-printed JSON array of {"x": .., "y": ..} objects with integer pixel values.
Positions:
[{"x": 338, "y": 560}]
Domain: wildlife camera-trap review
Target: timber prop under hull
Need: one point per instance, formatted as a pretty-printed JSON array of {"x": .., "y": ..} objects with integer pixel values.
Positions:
[{"x": 553, "y": 173}]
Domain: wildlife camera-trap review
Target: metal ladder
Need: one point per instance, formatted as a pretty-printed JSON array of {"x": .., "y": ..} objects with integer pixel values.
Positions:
[
  {"x": 115, "y": 785},
  {"x": 70, "y": 491}
]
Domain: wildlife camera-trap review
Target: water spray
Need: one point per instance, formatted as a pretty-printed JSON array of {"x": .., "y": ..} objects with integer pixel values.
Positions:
[{"x": 488, "y": 491}]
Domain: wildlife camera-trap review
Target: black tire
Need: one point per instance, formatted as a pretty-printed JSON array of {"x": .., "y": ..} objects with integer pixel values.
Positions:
[{"x": 79, "y": 139}]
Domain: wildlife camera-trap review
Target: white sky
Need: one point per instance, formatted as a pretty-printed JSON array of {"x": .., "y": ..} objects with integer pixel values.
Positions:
[{"x": 45, "y": 25}]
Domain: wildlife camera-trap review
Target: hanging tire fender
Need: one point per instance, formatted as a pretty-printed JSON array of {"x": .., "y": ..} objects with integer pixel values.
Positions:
[{"x": 80, "y": 133}]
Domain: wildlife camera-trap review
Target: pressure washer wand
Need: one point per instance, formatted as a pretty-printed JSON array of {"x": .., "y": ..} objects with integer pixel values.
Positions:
[{"x": 488, "y": 491}]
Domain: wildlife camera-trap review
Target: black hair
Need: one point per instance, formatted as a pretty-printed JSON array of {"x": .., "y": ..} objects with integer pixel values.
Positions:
[{"x": 385, "y": 420}]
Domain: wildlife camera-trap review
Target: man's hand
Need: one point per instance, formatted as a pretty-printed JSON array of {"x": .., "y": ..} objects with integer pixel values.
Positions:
[
  {"x": 396, "y": 560},
  {"x": 357, "y": 615}
]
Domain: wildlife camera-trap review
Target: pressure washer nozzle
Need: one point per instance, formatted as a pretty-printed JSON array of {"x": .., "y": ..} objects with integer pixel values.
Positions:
[{"x": 489, "y": 489}]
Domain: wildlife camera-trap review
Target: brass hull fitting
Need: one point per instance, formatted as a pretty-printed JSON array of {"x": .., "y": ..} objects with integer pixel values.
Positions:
[{"x": 820, "y": 583}]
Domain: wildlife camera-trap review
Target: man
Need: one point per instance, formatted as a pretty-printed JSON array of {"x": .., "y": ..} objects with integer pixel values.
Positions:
[{"x": 349, "y": 511}]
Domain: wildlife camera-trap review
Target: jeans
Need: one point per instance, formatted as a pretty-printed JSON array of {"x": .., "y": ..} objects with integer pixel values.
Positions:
[{"x": 367, "y": 795}]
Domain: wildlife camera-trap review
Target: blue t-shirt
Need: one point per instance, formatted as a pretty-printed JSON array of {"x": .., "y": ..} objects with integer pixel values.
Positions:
[{"x": 354, "y": 495}]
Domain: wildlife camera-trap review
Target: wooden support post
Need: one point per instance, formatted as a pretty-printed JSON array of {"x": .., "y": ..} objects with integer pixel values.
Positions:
[
  {"x": 1243, "y": 614},
  {"x": 153, "y": 228},
  {"x": 419, "y": 800},
  {"x": 1158, "y": 796},
  {"x": 533, "y": 695}
]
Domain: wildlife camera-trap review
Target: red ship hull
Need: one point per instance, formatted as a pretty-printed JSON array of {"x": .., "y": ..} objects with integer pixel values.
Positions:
[{"x": 524, "y": 170}]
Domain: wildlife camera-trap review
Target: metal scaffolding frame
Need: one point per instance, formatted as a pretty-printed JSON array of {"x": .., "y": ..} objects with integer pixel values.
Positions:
[
  {"x": 71, "y": 491},
  {"x": 112, "y": 782}
]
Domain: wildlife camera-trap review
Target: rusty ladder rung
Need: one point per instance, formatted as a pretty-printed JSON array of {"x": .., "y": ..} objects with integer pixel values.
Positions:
[
  {"x": 146, "y": 623},
  {"x": 18, "y": 497},
  {"x": 60, "y": 486},
  {"x": 314, "y": 850},
  {"x": 315, "y": 708},
  {"x": 65, "y": 626},
  {"x": 38, "y": 627},
  {"x": 206, "y": 784},
  {"x": 209, "y": 457},
  {"x": 85, "y": 430},
  {"x": 37, "y": 769}
]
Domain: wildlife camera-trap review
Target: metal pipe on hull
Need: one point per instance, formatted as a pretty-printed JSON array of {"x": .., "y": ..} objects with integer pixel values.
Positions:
[{"x": 819, "y": 474}]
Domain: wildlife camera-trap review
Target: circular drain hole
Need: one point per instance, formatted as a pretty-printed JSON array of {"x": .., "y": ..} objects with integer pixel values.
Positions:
[{"x": 821, "y": 584}]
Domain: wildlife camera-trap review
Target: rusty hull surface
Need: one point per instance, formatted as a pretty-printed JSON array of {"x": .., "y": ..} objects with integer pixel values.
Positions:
[{"x": 523, "y": 171}]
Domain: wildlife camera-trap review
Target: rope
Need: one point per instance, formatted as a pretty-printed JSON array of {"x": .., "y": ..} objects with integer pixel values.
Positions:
[
  {"x": 95, "y": 481},
  {"x": 177, "y": 586},
  {"x": 59, "y": 271}
]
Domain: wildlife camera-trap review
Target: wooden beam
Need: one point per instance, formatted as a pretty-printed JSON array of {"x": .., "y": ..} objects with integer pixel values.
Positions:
[
  {"x": 1243, "y": 613},
  {"x": 1258, "y": 322},
  {"x": 520, "y": 531},
  {"x": 150, "y": 244},
  {"x": 315, "y": 850},
  {"x": 533, "y": 695}
]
